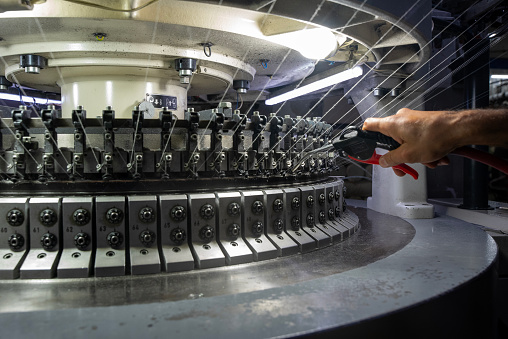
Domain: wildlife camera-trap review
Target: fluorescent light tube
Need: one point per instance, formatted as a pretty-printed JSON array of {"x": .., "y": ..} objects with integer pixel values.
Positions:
[
  {"x": 317, "y": 85},
  {"x": 29, "y": 100},
  {"x": 499, "y": 76}
]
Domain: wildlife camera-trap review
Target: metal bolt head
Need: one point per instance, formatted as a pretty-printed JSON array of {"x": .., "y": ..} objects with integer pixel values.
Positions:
[
  {"x": 15, "y": 217},
  {"x": 257, "y": 229},
  {"x": 295, "y": 224},
  {"x": 337, "y": 211},
  {"x": 147, "y": 214},
  {"x": 207, "y": 233},
  {"x": 207, "y": 211},
  {"x": 295, "y": 203},
  {"x": 81, "y": 240},
  {"x": 108, "y": 157},
  {"x": 178, "y": 236},
  {"x": 310, "y": 220},
  {"x": 49, "y": 241},
  {"x": 331, "y": 196},
  {"x": 257, "y": 207},
  {"x": 322, "y": 217},
  {"x": 16, "y": 241},
  {"x": 310, "y": 201},
  {"x": 233, "y": 209},
  {"x": 178, "y": 213},
  {"x": 234, "y": 231},
  {"x": 331, "y": 214},
  {"x": 337, "y": 195},
  {"x": 48, "y": 217},
  {"x": 278, "y": 205},
  {"x": 114, "y": 215},
  {"x": 81, "y": 216},
  {"x": 147, "y": 238},
  {"x": 115, "y": 239},
  {"x": 322, "y": 199},
  {"x": 278, "y": 226},
  {"x": 139, "y": 157}
]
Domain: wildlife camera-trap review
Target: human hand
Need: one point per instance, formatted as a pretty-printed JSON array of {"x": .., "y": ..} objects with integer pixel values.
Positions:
[{"x": 424, "y": 137}]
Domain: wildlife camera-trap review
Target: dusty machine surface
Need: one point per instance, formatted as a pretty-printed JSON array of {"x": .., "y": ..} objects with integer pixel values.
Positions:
[{"x": 156, "y": 193}]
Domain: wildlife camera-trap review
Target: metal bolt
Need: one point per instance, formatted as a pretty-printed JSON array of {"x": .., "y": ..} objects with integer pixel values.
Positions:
[
  {"x": 146, "y": 214},
  {"x": 15, "y": 217},
  {"x": 310, "y": 220},
  {"x": 115, "y": 239},
  {"x": 322, "y": 217},
  {"x": 322, "y": 198},
  {"x": 207, "y": 211},
  {"x": 178, "y": 213},
  {"x": 257, "y": 228},
  {"x": 48, "y": 241},
  {"x": 234, "y": 230},
  {"x": 147, "y": 238},
  {"x": 278, "y": 226},
  {"x": 295, "y": 223},
  {"x": 177, "y": 236},
  {"x": 207, "y": 233},
  {"x": 257, "y": 207},
  {"x": 331, "y": 214},
  {"x": 16, "y": 241},
  {"x": 310, "y": 201},
  {"x": 81, "y": 216},
  {"x": 278, "y": 205},
  {"x": 114, "y": 215},
  {"x": 233, "y": 209},
  {"x": 48, "y": 217},
  {"x": 330, "y": 196},
  {"x": 139, "y": 157},
  {"x": 295, "y": 203},
  {"x": 82, "y": 240}
]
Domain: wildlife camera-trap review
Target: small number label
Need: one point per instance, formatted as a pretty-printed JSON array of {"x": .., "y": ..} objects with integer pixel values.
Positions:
[{"x": 68, "y": 229}]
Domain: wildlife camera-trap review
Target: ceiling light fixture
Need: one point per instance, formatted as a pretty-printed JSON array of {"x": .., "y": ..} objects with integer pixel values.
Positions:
[{"x": 317, "y": 85}]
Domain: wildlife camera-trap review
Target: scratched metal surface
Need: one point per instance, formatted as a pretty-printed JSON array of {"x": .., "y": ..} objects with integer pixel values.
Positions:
[{"x": 345, "y": 284}]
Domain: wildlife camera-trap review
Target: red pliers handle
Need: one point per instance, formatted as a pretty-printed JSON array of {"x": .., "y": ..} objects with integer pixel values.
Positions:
[{"x": 374, "y": 160}]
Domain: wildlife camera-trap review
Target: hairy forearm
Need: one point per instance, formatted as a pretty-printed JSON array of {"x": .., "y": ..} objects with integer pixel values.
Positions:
[{"x": 483, "y": 127}]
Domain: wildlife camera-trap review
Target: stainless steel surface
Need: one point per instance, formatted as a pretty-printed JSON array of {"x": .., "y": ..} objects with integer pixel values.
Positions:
[
  {"x": 293, "y": 222},
  {"x": 388, "y": 266},
  {"x": 13, "y": 256}
]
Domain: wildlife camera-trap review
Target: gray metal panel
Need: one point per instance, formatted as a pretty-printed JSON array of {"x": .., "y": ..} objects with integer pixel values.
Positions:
[
  {"x": 41, "y": 263},
  {"x": 109, "y": 261},
  {"x": 11, "y": 258},
  {"x": 206, "y": 252},
  {"x": 281, "y": 240},
  {"x": 144, "y": 257},
  {"x": 262, "y": 248},
  {"x": 305, "y": 242},
  {"x": 176, "y": 256},
  {"x": 229, "y": 216},
  {"x": 75, "y": 262},
  {"x": 323, "y": 239}
]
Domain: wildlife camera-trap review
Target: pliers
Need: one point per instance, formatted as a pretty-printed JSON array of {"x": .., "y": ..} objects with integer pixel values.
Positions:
[{"x": 361, "y": 145}]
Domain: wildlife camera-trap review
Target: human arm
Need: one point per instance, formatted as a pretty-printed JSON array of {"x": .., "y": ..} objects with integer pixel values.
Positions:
[{"x": 427, "y": 137}]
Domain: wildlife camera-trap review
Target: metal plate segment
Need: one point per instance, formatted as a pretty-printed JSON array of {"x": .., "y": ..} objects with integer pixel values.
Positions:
[
  {"x": 13, "y": 236},
  {"x": 293, "y": 219},
  {"x": 254, "y": 226},
  {"x": 307, "y": 218},
  {"x": 174, "y": 235},
  {"x": 45, "y": 219},
  {"x": 230, "y": 231},
  {"x": 275, "y": 224},
  {"x": 142, "y": 230},
  {"x": 75, "y": 261},
  {"x": 110, "y": 257},
  {"x": 203, "y": 231}
]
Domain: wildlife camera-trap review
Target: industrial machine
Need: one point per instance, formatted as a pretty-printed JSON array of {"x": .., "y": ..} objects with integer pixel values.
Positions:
[{"x": 156, "y": 179}]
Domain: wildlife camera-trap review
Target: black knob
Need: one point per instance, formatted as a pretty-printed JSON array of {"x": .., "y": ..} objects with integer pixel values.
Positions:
[
  {"x": 331, "y": 214},
  {"x": 147, "y": 214},
  {"x": 278, "y": 205},
  {"x": 278, "y": 226},
  {"x": 177, "y": 235},
  {"x": 15, "y": 217},
  {"x": 233, "y": 209},
  {"x": 310, "y": 220},
  {"x": 257, "y": 228},
  {"x": 114, "y": 215},
  {"x": 337, "y": 211},
  {"x": 322, "y": 198},
  {"x": 115, "y": 239},
  {"x": 295, "y": 203},
  {"x": 81, "y": 216},
  {"x": 82, "y": 240},
  {"x": 178, "y": 213},
  {"x": 310, "y": 201},
  {"x": 322, "y": 217},
  {"x": 48, "y": 241},
  {"x": 234, "y": 230},
  {"x": 207, "y": 233},
  {"x": 147, "y": 238},
  {"x": 47, "y": 217},
  {"x": 257, "y": 207},
  {"x": 295, "y": 224},
  {"x": 16, "y": 241},
  {"x": 207, "y": 211}
]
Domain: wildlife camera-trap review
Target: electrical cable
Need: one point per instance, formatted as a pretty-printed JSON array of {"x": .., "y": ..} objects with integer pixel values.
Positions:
[{"x": 483, "y": 157}]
